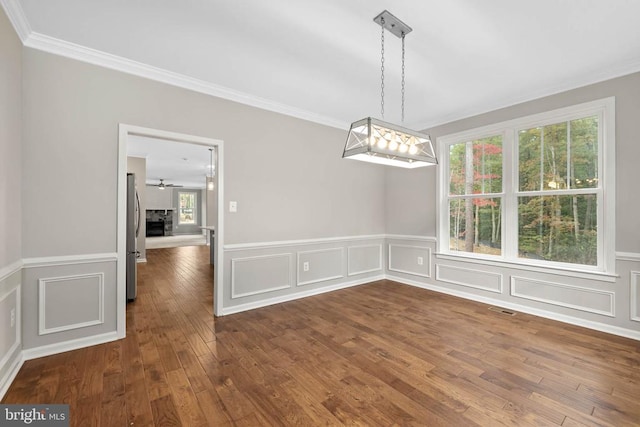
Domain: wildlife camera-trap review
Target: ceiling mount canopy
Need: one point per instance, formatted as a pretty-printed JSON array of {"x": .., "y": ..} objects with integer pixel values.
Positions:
[{"x": 376, "y": 141}]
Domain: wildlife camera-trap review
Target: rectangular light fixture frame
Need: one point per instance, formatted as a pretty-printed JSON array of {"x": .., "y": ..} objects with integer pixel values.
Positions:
[{"x": 374, "y": 141}]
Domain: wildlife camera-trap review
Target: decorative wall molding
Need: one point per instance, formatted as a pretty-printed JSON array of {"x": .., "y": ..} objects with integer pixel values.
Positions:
[
  {"x": 628, "y": 256},
  {"x": 44, "y": 283},
  {"x": 608, "y": 295},
  {"x": 6, "y": 358},
  {"x": 18, "y": 19},
  {"x": 303, "y": 294},
  {"x": 12, "y": 372},
  {"x": 69, "y": 260},
  {"x": 417, "y": 249},
  {"x": 350, "y": 257},
  {"x": 299, "y": 268},
  {"x": 615, "y": 330},
  {"x": 61, "y": 347},
  {"x": 118, "y": 63},
  {"x": 498, "y": 277},
  {"x": 634, "y": 292},
  {"x": 303, "y": 242},
  {"x": 430, "y": 239},
  {"x": 559, "y": 271},
  {"x": 10, "y": 269},
  {"x": 237, "y": 262}
]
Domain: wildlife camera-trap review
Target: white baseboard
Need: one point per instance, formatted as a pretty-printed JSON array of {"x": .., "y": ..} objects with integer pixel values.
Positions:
[
  {"x": 614, "y": 330},
  {"x": 285, "y": 298},
  {"x": 8, "y": 378},
  {"x": 48, "y": 350}
]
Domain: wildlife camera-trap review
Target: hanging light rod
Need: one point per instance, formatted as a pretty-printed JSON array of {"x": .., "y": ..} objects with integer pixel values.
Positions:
[{"x": 375, "y": 141}]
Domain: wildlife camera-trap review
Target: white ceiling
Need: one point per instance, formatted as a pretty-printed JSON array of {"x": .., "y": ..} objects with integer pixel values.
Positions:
[
  {"x": 321, "y": 59},
  {"x": 175, "y": 162}
]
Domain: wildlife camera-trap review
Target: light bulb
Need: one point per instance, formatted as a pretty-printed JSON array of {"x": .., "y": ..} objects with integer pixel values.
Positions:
[
  {"x": 403, "y": 148},
  {"x": 382, "y": 143},
  {"x": 372, "y": 140},
  {"x": 210, "y": 185},
  {"x": 393, "y": 145},
  {"x": 413, "y": 149}
]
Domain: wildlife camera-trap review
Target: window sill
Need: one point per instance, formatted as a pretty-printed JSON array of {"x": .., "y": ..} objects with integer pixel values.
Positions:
[{"x": 560, "y": 271}]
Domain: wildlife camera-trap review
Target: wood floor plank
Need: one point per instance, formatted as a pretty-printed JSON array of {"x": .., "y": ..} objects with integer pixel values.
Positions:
[
  {"x": 379, "y": 354},
  {"x": 164, "y": 412}
]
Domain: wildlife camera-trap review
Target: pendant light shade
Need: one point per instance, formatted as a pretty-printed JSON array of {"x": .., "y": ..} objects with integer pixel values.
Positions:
[
  {"x": 210, "y": 178},
  {"x": 376, "y": 141}
]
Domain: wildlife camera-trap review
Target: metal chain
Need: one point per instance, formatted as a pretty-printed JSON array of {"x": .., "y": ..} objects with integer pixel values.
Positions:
[
  {"x": 382, "y": 70},
  {"x": 402, "y": 77}
]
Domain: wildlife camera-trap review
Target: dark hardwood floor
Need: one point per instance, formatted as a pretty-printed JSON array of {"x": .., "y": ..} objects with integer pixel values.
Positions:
[{"x": 378, "y": 354}]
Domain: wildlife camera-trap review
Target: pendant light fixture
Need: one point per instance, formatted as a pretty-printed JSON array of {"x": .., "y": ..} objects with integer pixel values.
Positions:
[
  {"x": 210, "y": 183},
  {"x": 375, "y": 141}
]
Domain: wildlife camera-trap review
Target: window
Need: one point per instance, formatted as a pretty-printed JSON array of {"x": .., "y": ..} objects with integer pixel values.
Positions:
[
  {"x": 532, "y": 190},
  {"x": 187, "y": 211}
]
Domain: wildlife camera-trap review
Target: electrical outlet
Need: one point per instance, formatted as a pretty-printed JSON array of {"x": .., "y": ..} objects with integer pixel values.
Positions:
[
  {"x": 420, "y": 260},
  {"x": 305, "y": 266},
  {"x": 13, "y": 317}
]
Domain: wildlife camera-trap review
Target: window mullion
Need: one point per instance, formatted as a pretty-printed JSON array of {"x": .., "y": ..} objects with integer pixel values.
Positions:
[{"x": 510, "y": 202}]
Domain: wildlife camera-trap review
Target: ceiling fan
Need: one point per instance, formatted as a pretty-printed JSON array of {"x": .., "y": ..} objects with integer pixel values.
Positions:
[{"x": 162, "y": 185}]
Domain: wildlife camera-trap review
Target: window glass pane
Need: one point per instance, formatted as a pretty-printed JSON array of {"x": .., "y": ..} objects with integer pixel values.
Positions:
[
  {"x": 530, "y": 164},
  {"x": 475, "y": 224},
  {"x": 558, "y": 228},
  {"x": 543, "y": 158},
  {"x": 187, "y": 211},
  {"x": 546, "y": 152},
  {"x": 555, "y": 157},
  {"x": 475, "y": 167},
  {"x": 584, "y": 153}
]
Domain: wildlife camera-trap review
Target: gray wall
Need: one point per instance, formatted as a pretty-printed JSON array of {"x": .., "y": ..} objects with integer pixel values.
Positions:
[
  {"x": 418, "y": 214},
  {"x": 159, "y": 199},
  {"x": 285, "y": 173},
  {"x": 10, "y": 199},
  {"x": 10, "y": 136}
]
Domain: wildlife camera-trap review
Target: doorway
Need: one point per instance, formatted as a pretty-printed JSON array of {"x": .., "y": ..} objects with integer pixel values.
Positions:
[{"x": 126, "y": 132}]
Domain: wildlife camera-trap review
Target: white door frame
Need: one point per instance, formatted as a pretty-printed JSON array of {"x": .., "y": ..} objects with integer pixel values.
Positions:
[{"x": 121, "y": 291}]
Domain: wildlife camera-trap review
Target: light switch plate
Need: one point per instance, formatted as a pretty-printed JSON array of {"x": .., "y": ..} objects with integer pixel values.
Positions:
[{"x": 233, "y": 206}]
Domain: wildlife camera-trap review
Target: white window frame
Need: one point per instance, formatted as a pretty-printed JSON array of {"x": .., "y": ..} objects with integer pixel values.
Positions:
[
  {"x": 195, "y": 208},
  {"x": 604, "y": 109}
]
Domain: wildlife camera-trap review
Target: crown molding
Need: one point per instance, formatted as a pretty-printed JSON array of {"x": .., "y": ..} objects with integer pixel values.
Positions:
[
  {"x": 614, "y": 71},
  {"x": 92, "y": 56},
  {"x": 18, "y": 19}
]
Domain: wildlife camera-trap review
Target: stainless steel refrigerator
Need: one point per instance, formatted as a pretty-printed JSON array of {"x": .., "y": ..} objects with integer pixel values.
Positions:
[{"x": 133, "y": 228}]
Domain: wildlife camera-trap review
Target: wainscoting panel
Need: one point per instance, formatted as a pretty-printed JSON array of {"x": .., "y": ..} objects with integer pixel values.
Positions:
[
  {"x": 635, "y": 296},
  {"x": 70, "y": 302},
  {"x": 10, "y": 325},
  {"x": 469, "y": 277},
  {"x": 260, "y": 274},
  {"x": 364, "y": 259},
  {"x": 415, "y": 260},
  {"x": 266, "y": 273},
  {"x": 68, "y": 299},
  {"x": 570, "y": 296},
  {"x": 322, "y": 264}
]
